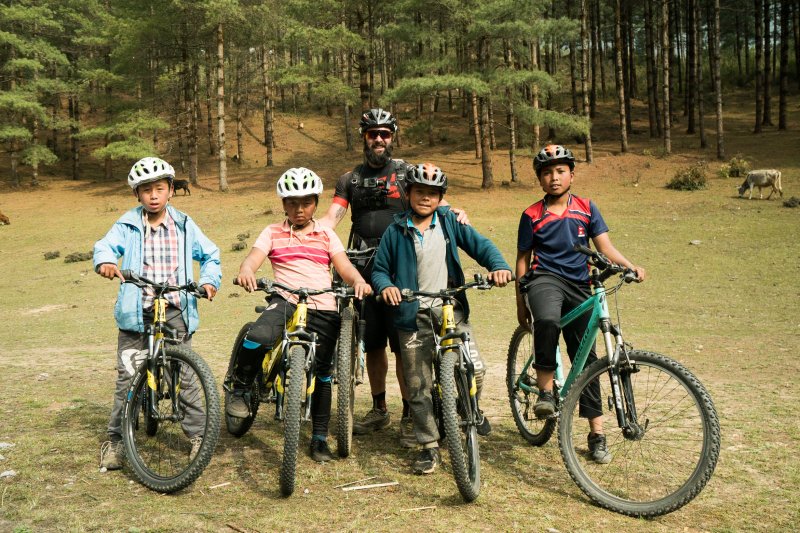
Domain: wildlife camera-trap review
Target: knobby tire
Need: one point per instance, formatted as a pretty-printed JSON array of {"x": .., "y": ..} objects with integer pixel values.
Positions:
[
  {"x": 239, "y": 426},
  {"x": 291, "y": 427},
  {"x": 161, "y": 461},
  {"x": 345, "y": 377}
]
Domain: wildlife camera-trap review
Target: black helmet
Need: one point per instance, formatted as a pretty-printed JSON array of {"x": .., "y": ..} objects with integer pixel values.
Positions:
[
  {"x": 428, "y": 174},
  {"x": 375, "y": 118},
  {"x": 553, "y": 154}
]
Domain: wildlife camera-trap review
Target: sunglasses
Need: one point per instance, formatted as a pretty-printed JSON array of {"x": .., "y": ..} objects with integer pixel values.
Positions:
[{"x": 383, "y": 134}]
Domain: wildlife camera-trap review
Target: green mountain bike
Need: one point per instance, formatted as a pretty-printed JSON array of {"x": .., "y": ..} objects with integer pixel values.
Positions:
[{"x": 666, "y": 439}]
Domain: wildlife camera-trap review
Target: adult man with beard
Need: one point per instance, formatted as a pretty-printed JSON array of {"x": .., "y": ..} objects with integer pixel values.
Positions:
[{"x": 376, "y": 191}]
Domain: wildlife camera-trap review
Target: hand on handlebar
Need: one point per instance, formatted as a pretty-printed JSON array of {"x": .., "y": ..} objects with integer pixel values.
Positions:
[
  {"x": 391, "y": 295},
  {"x": 211, "y": 291},
  {"x": 246, "y": 279},
  {"x": 500, "y": 278},
  {"x": 110, "y": 271},
  {"x": 640, "y": 274},
  {"x": 362, "y": 289}
]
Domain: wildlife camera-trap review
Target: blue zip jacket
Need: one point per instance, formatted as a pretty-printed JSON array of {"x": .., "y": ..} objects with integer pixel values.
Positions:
[
  {"x": 396, "y": 261},
  {"x": 126, "y": 239}
]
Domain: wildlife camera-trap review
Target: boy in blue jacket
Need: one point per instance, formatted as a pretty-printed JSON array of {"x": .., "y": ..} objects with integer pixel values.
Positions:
[
  {"x": 419, "y": 251},
  {"x": 158, "y": 242}
]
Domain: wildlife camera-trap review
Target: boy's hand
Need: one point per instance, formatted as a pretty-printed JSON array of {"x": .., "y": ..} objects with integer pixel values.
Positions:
[
  {"x": 501, "y": 278},
  {"x": 523, "y": 317},
  {"x": 361, "y": 289},
  {"x": 211, "y": 291},
  {"x": 391, "y": 295},
  {"x": 461, "y": 215},
  {"x": 640, "y": 273},
  {"x": 246, "y": 279},
  {"x": 110, "y": 271}
]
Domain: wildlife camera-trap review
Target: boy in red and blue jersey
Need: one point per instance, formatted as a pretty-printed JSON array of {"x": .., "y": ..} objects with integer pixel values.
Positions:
[{"x": 553, "y": 279}]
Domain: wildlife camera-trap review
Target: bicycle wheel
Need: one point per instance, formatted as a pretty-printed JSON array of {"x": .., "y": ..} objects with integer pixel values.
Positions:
[
  {"x": 291, "y": 419},
  {"x": 161, "y": 461},
  {"x": 667, "y": 457},
  {"x": 150, "y": 422},
  {"x": 346, "y": 383},
  {"x": 536, "y": 432},
  {"x": 239, "y": 426},
  {"x": 461, "y": 433}
]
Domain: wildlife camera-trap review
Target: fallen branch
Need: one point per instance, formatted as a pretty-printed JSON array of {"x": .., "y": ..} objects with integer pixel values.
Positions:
[
  {"x": 354, "y": 482},
  {"x": 375, "y": 486},
  {"x": 417, "y": 509},
  {"x": 220, "y": 485}
]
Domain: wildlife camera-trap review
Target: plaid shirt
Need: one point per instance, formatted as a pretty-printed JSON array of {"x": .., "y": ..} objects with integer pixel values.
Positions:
[{"x": 160, "y": 259}]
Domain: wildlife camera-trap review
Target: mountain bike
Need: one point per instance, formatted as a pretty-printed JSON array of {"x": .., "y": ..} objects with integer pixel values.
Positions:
[
  {"x": 286, "y": 368},
  {"x": 171, "y": 393},
  {"x": 666, "y": 440},
  {"x": 455, "y": 388},
  {"x": 350, "y": 357}
]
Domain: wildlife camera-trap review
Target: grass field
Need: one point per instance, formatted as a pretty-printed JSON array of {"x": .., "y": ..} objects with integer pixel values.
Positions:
[{"x": 726, "y": 307}]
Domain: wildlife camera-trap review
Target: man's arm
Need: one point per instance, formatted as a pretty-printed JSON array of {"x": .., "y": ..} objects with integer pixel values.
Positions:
[{"x": 335, "y": 214}]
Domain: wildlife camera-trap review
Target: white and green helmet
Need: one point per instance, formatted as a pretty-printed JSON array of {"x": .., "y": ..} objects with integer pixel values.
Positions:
[
  {"x": 297, "y": 182},
  {"x": 149, "y": 169}
]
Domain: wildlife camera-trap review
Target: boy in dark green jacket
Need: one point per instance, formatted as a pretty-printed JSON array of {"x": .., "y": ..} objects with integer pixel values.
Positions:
[{"x": 419, "y": 251}]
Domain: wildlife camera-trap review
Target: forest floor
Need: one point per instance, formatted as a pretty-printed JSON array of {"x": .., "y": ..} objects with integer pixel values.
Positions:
[{"x": 722, "y": 298}]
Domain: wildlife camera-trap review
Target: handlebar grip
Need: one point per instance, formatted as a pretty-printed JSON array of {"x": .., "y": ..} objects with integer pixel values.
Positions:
[
  {"x": 630, "y": 276},
  {"x": 584, "y": 250},
  {"x": 128, "y": 274},
  {"x": 201, "y": 292}
]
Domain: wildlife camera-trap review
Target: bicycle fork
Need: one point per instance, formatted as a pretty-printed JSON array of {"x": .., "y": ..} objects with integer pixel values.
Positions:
[{"x": 619, "y": 373}]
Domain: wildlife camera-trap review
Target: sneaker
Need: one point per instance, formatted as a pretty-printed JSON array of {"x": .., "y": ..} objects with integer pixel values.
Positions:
[
  {"x": 407, "y": 437},
  {"x": 484, "y": 427},
  {"x": 112, "y": 454},
  {"x": 320, "y": 451},
  {"x": 545, "y": 405},
  {"x": 196, "y": 443},
  {"x": 598, "y": 450},
  {"x": 427, "y": 461},
  {"x": 235, "y": 404},
  {"x": 374, "y": 420}
]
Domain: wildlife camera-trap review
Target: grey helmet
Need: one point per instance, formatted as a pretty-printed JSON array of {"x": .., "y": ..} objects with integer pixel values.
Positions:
[
  {"x": 428, "y": 174},
  {"x": 375, "y": 118},
  {"x": 553, "y": 154}
]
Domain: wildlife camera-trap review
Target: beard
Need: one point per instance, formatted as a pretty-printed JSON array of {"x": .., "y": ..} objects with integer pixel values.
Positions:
[{"x": 375, "y": 160}]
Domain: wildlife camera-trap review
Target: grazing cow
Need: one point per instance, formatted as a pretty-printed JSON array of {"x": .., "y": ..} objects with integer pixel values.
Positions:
[
  {"x": 181, "y": 184},
  {"x": 4, "y": 220},
  {"x": 762, "y": 178}
]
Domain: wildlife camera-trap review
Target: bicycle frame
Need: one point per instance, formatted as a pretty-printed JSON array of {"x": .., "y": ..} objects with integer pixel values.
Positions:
[
  {"x": 155, "y": 344},
  {"x": 446, "y": 339}
]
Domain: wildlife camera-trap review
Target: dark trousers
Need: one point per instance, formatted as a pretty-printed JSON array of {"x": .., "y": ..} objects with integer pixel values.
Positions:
[{"x": 549, "y": 297}]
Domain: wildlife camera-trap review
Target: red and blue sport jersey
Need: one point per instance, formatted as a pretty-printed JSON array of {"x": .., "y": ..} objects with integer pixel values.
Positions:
[{"x": 552, "y": 237}]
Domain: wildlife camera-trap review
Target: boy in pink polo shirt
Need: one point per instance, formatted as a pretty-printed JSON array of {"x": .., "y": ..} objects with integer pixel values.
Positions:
[{"x": 301, "y": 252}]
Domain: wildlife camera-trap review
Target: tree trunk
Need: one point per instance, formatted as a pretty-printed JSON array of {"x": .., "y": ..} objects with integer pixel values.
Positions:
[
  {"x": 35, "y": 164},
  {"x": 717, "y": 82},
  {"x": 266, "y": 95},
  {"x": 584, "y": 76},
  {"x": 223, "y": 170},
  {"x": 699, "y": 86},
  {"x": 595, "y": 32},
  {"x": 535, "y": 133},
  {"x": 74, "y": 129},
  {"x": 746, "y": 47},
  {"x": 602, "y": 51},
  {"x": 14, "y": 156},
  {"x": 759, "y": 79},
  {"x": 767, "y": 118},
  {"x": 431, "y": 111},
  {"x": 573, "y": 67},
  {"x": 476, "y": 129},
  {"x": 623, "y": 132},
  {"x": 191, "y": 126},
  {"x": 109, "y": 174},
  {"x": 737, "y": 45},
  {"x": 237, "y": 98},
  {"x": 667, "y": 119},
  {"x": 492, "y": 138},
  {"x": 796, "y": 27},
  {"x": 510, "y": 119},
  {"x": 692, "y": 44},
  {"x": 348, "y": 136},
  {"x": 486, "y": 152},
  {"x": 784, "y": 83},
  {"x": 652, "y": 78},
  {"x": 626, "y": 61},
  {"x": 209, "y": 114}
]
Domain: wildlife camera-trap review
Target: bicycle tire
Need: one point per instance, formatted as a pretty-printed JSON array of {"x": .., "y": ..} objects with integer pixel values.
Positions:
[
  {"x": 235, "y": 425},
  {"x": 291, "y": 420},
  {"x": 536, "y": 432},
  {"x": 461, "y": 433},
  {"x": 669, "y": 462},
  {"x": 161, "y": 462},
  {"x": 346, "y": 384},
  {"x": 150, "y": 423}
]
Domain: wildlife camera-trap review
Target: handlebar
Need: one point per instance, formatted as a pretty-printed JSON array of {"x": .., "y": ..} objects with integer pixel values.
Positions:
[
  {"x": 354, "y": 254},
  {"x": 607, "y": 268},
  {"x": 271, "y": 287},
  {"x": 129, "y": 276},
  {"x": 480, "y": 283}
]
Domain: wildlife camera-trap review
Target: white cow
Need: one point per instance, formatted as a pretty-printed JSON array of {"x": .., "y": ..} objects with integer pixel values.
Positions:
[{"x": 762, "y": 178}]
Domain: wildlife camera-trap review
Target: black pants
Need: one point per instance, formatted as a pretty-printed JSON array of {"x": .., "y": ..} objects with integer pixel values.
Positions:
[
  {"x": 549, "y": 297},
  {"x": 268, "y": 328}
]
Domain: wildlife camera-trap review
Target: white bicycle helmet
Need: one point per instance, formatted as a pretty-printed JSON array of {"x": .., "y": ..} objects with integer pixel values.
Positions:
[
  {"x": 149, "y": 169},
  {"x": 299, "y": 182}
]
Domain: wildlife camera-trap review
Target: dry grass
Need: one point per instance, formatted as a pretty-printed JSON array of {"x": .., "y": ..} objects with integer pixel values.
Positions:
[{"x": 727, "y": 308}]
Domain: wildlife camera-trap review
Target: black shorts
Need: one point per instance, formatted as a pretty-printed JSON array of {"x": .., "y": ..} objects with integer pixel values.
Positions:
[{"x": 380, "y": 326}]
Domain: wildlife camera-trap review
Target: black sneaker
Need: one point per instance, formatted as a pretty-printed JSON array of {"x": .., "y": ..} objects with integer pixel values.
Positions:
[
  {"x": 545, "y": 405},
  {"x": 598, "y": 450},
  {"x": 427, "y": 461},
  {"x": 484, "y": 427},
  {"x": 320, "y": 451}
]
